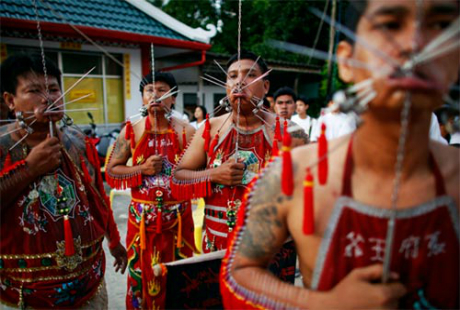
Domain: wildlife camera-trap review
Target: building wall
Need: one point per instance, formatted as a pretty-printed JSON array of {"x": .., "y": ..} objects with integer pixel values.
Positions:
[{"x": 132, "y": 99}]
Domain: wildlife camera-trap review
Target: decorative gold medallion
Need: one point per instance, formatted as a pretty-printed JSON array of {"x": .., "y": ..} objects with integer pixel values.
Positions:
[{"x": 69, "y": 262}]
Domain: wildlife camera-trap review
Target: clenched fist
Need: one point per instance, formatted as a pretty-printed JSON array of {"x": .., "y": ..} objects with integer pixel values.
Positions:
[
  {"x": 152, "y": 165},
  {"x": 44, "y": 157},
  {"x": 229, "y": 173}
]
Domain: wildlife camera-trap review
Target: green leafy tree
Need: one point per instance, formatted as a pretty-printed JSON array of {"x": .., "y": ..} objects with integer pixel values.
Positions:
[
  {"x": 284, "y": 20},
  {"x": 262, "y": 20},
  {"x": 196, "y": 13}
]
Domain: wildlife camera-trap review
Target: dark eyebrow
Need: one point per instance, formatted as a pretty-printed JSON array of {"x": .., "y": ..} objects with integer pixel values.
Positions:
[
  {"x": 390, "y": 10},
  {"x": 443, "y": 8},
  {"x": 32, "y": 84}
]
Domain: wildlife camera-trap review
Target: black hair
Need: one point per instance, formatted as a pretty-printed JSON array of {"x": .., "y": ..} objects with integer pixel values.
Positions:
[
  {"x": 249, "y": 55},
  {"x": 20, "y": 65},
  {"x": 354, "y": 11},
  {"x": 164, "y": 77},
  {"x": 285, "y": 91},
  {"x": 303, "y": 99},
  {"x": 329, "y": 98},
  {"x": 203, "y": 109}
]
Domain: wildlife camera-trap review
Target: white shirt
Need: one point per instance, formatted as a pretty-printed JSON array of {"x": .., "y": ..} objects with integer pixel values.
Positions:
[
  {"x": 337, "y": 125},
  {"x": 455, "y": 138},
  {"x": 179, "y": 115},
  {"x": 197, "y": 125},
  {"x": 307, "y": 123},
  {"x": 435, "y": 131}
]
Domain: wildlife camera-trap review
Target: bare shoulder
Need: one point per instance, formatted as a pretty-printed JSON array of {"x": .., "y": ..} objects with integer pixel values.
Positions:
[
  {"x": 138, "y": 127},
  {"x": 298, "y": 135},
  {"x": 221, "y": 123},
  {"x": 179, "y": 122},
  {"x": 448, "y": 161},
  {"x": 73, "y": 141},
  {"x": 179, "y": 125}
]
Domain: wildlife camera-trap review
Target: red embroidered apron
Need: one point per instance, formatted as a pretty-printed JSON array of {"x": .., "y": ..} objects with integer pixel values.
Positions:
[
  {"x": 254, "y": 148},
  {"x": 144, "y": 289},
  {"x": 425, "y": 249},
  {"x": 33, "y": 266}
]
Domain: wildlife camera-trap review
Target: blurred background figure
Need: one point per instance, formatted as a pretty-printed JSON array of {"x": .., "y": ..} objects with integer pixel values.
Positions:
[
  {"x": 271, "y": 100},
  {"x": 199, "y": 116},
  {"x": 285, "y": 98},
  {"x": 337, "y": 123},
  {"x": 448, "y": 119},
  {"x": 302, "y": 118}
]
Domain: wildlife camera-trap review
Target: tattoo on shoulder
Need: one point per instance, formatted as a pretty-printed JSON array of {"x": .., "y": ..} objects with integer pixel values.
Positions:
[
  {"x": 257, "y": 240},
  {"x": 73, "y": 141},
  {"x": 268, "y": 187},
  {"x": 264, "y": 220},
  {"x": 301, "y": 135},
  {"x": 122, "y": 148}
]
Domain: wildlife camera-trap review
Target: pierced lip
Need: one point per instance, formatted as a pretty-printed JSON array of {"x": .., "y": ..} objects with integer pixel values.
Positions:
[
  {"x": 417, "y": 81},
  {"x": 154, "y": 103}
]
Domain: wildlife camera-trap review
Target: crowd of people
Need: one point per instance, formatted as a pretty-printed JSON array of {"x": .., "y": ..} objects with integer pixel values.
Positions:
[{"x": 264, "y": 172}]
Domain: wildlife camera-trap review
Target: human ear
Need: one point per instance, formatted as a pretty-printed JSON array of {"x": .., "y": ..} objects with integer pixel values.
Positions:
[
  {"x": 344, "y": 54},
  {"x": 266, "y": 86},
  {"x": 9, "y": 100}
]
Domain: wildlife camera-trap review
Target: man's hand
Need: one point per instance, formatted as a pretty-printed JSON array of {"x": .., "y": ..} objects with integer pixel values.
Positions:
[
  {"x": 152, "y": 165},
  {"x": 356, "y": 291},
  {"x": 229, "y": 173},
  {"x": 44, "y": 157},
  {"x": 121, "y": 258}
]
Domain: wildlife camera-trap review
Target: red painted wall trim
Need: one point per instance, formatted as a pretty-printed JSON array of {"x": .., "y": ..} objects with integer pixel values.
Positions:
[
  {"x": 145, "y": 59},
  {"x": 100, "y": 34},
  {"x": 187, "y": 65}
]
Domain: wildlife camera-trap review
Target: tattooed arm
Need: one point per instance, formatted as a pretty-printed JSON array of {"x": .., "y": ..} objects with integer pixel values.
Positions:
[
  {"x": 264, "y": 234},
  {"x": 265, "y": 231},
  {"x": 119, "y": 157},
  {"x": 299, "y": 137}
]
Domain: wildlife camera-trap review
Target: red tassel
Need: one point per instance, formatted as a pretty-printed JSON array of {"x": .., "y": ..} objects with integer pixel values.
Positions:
[
  {"x": 207, "y": 133},
  {"x": 213, "y": 145},
  {"x": 128, "y": 130},
  {"x": 308, "y": 213},
  {"x": 159, "y": 221},
  {"x": 133, "y": 140},
  {"x": 142, "y": 232},
  {"x": 174, "y": 141},
  {"x": 275, "y": 150},
  {"x": 58, "y": 187},
  {"x": 179, "y": 230},
  {"x": 184, "y": 138},
  {"x": 68, "y": 237},
  {"x": 322, "y": 156},
  {"x": 8, "y": 162},
  {"x": 285, "y": 127},
  {"x": 89, "y": 151},
  {"x": 85, "y": 170},
  {"x": 278, "y": 129},
  {"x": 287, "y": 179}
]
